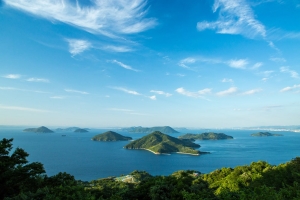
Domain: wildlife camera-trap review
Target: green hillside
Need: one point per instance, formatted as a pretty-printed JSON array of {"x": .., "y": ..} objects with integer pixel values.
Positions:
[
  {"x": 80, "y": 130},
  {"x": 163, "y": 129},
  {"x": 206, "y": 136},
  {"x": 158, "y": 142},
  {"x": 110, "y": 136},
  {"x": 41, "y": 129},
  {"x": 264, "y": 134}
]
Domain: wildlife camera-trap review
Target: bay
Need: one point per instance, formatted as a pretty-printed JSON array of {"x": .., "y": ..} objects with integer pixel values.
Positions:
[{"x": 88, "y": 160}]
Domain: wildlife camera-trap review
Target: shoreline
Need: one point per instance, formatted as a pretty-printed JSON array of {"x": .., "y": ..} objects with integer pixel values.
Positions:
[{"x": 193, "y": 154}]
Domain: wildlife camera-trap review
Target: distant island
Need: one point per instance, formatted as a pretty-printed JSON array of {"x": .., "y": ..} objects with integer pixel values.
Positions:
[
  {"x": 80, "y": 130},
  {"x": 70, "y": 129},
  {"x": 264, "y": 134},
  {"x": 158, "y": 143},
  {"x": 162, "y": 129},
  {"x": 41, "y": 129},
  {"x": 206, "y": 136},
  {"x": 110, "y": 136}
]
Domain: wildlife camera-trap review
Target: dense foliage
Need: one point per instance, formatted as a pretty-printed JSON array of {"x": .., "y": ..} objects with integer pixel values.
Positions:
[
  {"x": 41, "y": 129},
  {"x": 162, "y": 143},
  {"x": 139, "y": 129},
  {"x": 110, "y": 136},
  {"x": 265, "y": 134},
  {"x": 206, "y": 136},
  {"x": 259, "y": 180}
]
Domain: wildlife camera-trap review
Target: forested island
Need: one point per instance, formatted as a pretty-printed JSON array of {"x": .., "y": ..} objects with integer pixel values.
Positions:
[
  {"x": 139, "y": 129},
  {"x": 260, "y": 180},
  {"x": 41, "y": 129},
  {"x": 110, "y": 136},
  {"x": 206, "y": 136},
  {"x": 158, "y": 143},
  {"x": 70, "y": 129},
  {"x": 264, "y": 134},
  {"x": 80, "y": 130}
]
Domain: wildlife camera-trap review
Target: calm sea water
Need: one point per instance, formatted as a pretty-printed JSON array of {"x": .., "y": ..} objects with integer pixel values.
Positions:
[{"x": 87, "y": 160}]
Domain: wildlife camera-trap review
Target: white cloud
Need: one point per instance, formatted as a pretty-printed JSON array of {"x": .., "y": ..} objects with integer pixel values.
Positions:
[
  {"x": 230, "y": 91},
  {"x": 257, "y": 65},
  {"x": 250, "y": 92},
  {"x": 78, "y": 46},
  {"x": 277, "y": 59},
  {"x": 181, "y": 75},
  {"x": 120, "y": 109},
  {"x": 126, "y": 90},
  {"x": 12, "y": 76},
  {"x": 226, "y": 80},
  {"x": 286, "y": 89},
  {"x": 117, "y": 48},
  {"x": 293, "y": 73},
  {"x": 183, "y": 63},
  {"x": 23, "y": 90},
  {"x": 235, "y": 17},
  {"x": 106, "y": 17},
  {"x": 197, "y": 94},
  {"x": 8, "y": 88},
  {"x": 239, "y": 64},
  {"x": 76, "y": 91},
  {"x": 22, "y": 108},
  {"x": 264, "y": 79},
  {"x": 161, "y": 93},
  {"x": 57, "y": 97},
  {"x": 153, "y": 97},
  {"x": 38, "y": 80},
  {"x": 124, "y": 66}
]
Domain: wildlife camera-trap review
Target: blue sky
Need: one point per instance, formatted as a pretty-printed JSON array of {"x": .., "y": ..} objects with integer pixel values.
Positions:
[{"x": 117, "y": 63}]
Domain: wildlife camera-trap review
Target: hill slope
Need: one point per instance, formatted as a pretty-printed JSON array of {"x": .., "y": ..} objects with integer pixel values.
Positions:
[
  {"x": 80, "y": 130},
  {"x": 158, "y": 142},
  {"x": 264, "y": 134},
  {"x": 41, "y": 129},
  {"x": 110, "y": 136},
  {"x": 162, "y": 129},
  {"x": 206, "y": 136}
]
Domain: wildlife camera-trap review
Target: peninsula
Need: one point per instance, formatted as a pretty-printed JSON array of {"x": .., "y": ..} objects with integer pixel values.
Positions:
[
  {"x": 41, "y": 129},
  {"x": 206, "y": 136},
  {"x": 264, "y": 134},
  {"x": 110, "y": 136},
  {"x": 159, "y": 143},
  {"x": 162, "y": 129}
]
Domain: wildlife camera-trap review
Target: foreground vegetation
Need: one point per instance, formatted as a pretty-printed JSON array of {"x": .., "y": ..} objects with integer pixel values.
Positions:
[{"x": 259, "y": 180}]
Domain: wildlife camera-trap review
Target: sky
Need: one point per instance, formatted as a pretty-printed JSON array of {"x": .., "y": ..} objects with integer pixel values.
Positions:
[{"x": 121, "y": 63}]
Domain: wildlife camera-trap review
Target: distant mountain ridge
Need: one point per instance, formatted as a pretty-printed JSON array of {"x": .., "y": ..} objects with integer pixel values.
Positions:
[
  {"x": 41, "y": 129},
  {"x": 206, "y": 136},
  {"x": 69, "y": 129},
  {"x": 264, "y": 134},
  {"x": 110, "y": 136},
  {"x": 158, "y": 143},
  {"x": 140, "y": 129},
  {"x": 80, "y": 130}
]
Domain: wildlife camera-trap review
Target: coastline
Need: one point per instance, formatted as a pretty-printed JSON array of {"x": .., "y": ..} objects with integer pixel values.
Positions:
[{"x": 193, "y": 154}]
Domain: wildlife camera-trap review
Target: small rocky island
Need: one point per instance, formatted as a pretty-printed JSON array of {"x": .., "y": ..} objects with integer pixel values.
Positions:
[
  {"x": 159, "y": 143},
  {"x": 41, "y": 129},
  {"x": 80, "y": 130},
  {"x": 110, "y": 136},
  {"x": 162, "y": 129},
  {"x": 264, "y": 134},
  {"x": 206, "y": 136}
]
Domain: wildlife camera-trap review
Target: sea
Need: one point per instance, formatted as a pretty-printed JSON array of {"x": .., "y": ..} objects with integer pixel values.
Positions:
[{"x": 86, "y": 160}]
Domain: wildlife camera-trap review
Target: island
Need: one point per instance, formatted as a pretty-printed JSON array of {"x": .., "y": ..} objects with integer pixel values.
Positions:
[
  {"x": 162, "y": 129},
  {"x": 110, "y": 136},
  {"x": 206, "y": 136},
  {"x": 70, "y": 129},
  {"x": 41, "y": 129},
  {"x": 160, "y": 143},
  {"x": 80, "y": 130},
  {"x": 264, "y": 134}
]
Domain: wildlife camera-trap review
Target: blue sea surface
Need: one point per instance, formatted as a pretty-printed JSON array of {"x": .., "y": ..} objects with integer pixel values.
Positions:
[{"x": 88, "y": 160}]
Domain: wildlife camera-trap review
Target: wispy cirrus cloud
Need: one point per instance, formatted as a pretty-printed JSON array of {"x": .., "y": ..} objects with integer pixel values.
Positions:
[
  {"x": 117, "y": 48},
  {"x": 239, "y": 63},
  {"x": 124, "y": 65},
  {"x": 184, "y": 62},
  {"x": 57, "y": 97},
  {"x": 235, "y": 17},
  {"x": 230, "y": 91},
  {"x": 38, "y": 80},
  {"x": 120, "y": 109},
  {"x": 106, "y": 17},
  {"x": 22, "y": 108},
  {"x": 77, "y": 46},
  {"x": 251, "y": 92},
  {"x": 197, "y": 94},
  {"x": 161, "y": 93},
  {"x": 293, "y": 73},
  {"x": 227, "y": 80},
  {"x": 23, "y": 90},
  {"x": 76, "y": 91},
  {"x": 153, "y": 97},
  {"x": 126, "y": 90},
  {"x": 257, "y": 65},
  {"x": 290, "y": 88},
  {"x": 12, "y": 76}
]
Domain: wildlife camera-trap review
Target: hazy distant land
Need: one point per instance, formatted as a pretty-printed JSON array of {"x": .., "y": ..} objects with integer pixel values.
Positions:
[
  {"x": 264, "y": 134},
  {"x": 206, "y": 136},
  {"x": 41, "y": 129},
  {"x": 162, "y": 129}
]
